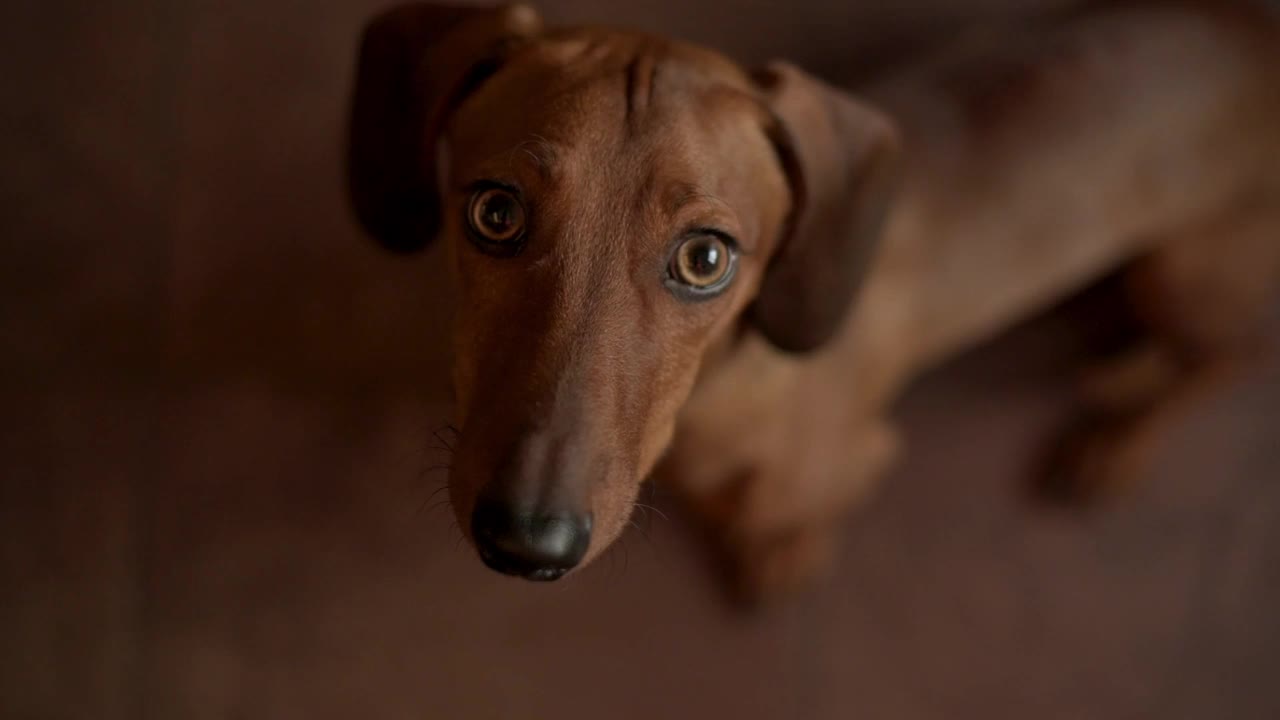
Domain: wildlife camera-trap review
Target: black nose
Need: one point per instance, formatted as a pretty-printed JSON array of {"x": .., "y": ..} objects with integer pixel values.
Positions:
[{"x": 535, "y": 546}]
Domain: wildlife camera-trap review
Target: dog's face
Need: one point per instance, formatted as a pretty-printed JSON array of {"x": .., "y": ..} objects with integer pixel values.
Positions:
[
  {"x": 614, "y": 207},
  {"x": 611, "y": 206}
]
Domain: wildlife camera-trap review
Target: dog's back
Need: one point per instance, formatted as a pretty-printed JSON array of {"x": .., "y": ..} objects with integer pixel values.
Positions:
[{"x": 1055, "y": 151}]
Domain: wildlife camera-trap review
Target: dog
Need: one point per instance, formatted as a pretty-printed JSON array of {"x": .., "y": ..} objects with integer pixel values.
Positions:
[{"x": 670, "y": 265}]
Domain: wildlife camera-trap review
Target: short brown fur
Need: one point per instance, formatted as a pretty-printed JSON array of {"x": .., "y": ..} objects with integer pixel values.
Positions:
[{"x": 878, "y": 236}]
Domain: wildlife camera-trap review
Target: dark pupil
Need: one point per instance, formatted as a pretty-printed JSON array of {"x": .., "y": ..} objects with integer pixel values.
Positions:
[
  {"x": 704, "y": 258},
  {"x": 498, "y": 214}
]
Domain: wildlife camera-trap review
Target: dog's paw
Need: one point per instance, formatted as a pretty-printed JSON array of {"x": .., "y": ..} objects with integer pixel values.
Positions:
[{"x": 783, "y": 565}]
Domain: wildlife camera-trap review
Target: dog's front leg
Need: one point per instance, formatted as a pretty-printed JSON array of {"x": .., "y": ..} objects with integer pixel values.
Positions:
[{"x": 777, "y": 520}]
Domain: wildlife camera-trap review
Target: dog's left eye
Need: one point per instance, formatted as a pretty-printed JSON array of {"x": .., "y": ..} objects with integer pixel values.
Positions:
[
  {"x": 496, "y": 218},
  {"x": 702, "y": 265}
]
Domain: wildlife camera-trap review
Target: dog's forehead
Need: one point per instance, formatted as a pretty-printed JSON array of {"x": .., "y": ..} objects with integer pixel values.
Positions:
[
  {"x": 592, "y": 90},
  {"x": 581, "y": 54}
]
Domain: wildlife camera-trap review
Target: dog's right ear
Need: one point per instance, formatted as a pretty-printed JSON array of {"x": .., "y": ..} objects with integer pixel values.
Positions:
[{"x": 416, "y": 63}]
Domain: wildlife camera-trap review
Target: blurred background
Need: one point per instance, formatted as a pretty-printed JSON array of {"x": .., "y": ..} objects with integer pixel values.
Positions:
[{"x": 217, "y": 397}]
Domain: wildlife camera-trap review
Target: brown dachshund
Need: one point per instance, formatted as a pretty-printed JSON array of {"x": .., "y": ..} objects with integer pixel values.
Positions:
[{"x": 664, "y": 259}]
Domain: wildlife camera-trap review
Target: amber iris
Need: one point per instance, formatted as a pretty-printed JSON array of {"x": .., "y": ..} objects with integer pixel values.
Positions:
[
  {"x": 496, "y": 216},
  {"x": 701, "y": 262}
]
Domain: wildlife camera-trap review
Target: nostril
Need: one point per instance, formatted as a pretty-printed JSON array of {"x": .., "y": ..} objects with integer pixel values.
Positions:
[{"x": 536, "y": 546}]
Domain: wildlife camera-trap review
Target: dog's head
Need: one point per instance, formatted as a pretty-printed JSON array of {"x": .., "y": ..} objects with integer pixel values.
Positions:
[{"x": 619, "y": 209}]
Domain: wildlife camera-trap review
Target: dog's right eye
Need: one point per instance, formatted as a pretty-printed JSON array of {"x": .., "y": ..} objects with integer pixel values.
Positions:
[{"x": 496, "y": 220}]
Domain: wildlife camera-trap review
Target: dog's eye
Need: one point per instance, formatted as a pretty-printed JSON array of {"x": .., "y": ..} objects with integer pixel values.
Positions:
[
  {"x": 703, "y": 263},
  {"x": 496, "y": 216}
]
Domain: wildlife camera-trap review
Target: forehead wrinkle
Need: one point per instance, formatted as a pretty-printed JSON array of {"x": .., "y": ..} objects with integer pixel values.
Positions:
[{"x": 641, "y": 77}]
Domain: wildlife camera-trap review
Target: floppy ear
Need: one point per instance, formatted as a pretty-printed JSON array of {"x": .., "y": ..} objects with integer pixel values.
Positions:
[
  {"x": 416, "y": 62},
  {"x": 841, "y": 159}
]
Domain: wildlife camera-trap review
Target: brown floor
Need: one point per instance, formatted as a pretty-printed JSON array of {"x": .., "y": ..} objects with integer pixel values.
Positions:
[{"x": 216, "y": 398}]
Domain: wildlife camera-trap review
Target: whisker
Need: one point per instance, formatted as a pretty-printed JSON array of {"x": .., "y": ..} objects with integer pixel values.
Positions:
[
  {"x": 643, "y": 532},
  {"x": 433, "y": 493},
  {"x": 656, "y": 510},
  {"x": 654, "y": 491},
  {"x": 436, "y": 434}
]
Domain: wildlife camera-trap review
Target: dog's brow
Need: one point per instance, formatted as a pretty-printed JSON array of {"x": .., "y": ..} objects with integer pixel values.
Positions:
[
  {"x": 720, "y": 220},
  {"x": 540, "y": 152},
  {"x": 689, "y": 194}
]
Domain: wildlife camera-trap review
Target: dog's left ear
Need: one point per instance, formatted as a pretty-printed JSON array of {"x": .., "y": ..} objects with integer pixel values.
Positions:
[{"x": 841, "y": 157}]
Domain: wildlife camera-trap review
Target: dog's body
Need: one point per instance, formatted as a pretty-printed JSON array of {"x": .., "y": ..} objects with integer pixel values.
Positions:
[
  {"x": 1036, "y": 162},
  {"x": 1033, "y": 161}
]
